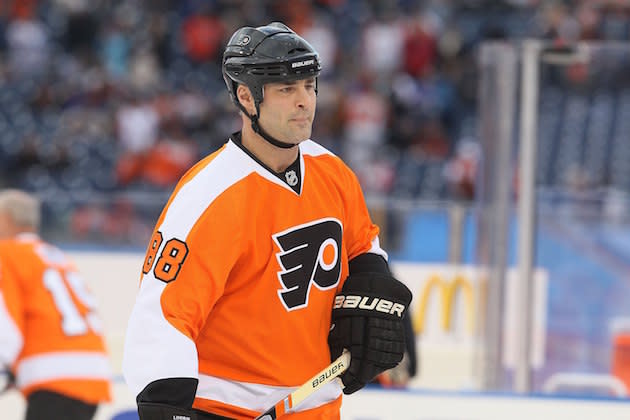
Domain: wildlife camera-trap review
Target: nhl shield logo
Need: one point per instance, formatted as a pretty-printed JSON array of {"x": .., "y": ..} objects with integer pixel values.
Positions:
[{"x": 291, "y": 178}]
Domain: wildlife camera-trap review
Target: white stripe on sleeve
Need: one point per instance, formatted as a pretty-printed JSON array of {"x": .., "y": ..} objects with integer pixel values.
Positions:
[{"x": 155, "y": 349}]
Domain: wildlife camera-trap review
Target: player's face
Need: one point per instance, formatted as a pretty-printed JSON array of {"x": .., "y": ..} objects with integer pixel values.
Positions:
[
  {"x": 6, "y": 226},
  {"x": 288, "y": 109}
]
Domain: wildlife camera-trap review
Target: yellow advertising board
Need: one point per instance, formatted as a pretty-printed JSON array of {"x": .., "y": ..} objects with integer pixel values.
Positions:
[
  {"x": 447, "y": 289},
  {"x": 447, "y": 309}
]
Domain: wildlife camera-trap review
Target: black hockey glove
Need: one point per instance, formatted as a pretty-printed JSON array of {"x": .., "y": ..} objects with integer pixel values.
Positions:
[
  {"x": 168, "y": 399},
  {"x": 367, "y": 319},
  {"x": 156, "y": 411}
]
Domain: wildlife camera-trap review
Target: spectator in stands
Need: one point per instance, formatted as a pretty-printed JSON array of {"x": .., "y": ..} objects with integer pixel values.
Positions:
[
  {"x": 419, "y": 48},
  {"x": 589, "y": 18},
  {"x": 27, "y": 41},
  {"x": 365, "y": 114},
  {"x": 50, "y": 334},
  {"x": 203, "y": 34},
  {"x": 171, "y": 157},
  {"x": 460, "y": 172},
  {"x": 115, "y": 50},
  {"x": 137, "y": 124},
  {"x": 382, "y": 44},
  {"x": 323, "y": 38}
]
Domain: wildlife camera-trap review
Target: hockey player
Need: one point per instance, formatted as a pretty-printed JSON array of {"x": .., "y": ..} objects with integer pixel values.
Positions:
[
  {"x": 264, "y": 264},
  {"x": 50, "y": 337}
]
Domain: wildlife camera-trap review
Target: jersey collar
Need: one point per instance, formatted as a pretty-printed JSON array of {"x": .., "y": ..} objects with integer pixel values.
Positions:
[{"x": 292, "y": 177}]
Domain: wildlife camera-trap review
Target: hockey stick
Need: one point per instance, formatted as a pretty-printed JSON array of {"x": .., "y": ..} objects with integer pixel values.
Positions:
[{"x": 329, "y": 373}]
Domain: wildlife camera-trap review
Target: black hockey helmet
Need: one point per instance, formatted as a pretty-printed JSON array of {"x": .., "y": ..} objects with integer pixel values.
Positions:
[{"x": 267, "y": 54}]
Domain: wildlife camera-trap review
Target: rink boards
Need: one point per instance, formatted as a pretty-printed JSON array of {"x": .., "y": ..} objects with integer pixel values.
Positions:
[{"x": 113, "y": 279}]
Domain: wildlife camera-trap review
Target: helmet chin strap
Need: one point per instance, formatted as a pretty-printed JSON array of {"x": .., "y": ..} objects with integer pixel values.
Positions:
[{"x": 259, "y": 130}]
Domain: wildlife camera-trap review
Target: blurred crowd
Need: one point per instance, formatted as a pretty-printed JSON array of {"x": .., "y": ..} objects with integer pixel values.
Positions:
[{"x": 105, "y": 103}]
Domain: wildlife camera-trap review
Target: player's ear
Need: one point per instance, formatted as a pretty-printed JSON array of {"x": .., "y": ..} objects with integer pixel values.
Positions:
[{"x": 246, "y": 99}]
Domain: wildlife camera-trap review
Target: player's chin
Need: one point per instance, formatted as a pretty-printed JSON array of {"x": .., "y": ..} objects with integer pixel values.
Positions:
[{"x": 300, "y": 135}]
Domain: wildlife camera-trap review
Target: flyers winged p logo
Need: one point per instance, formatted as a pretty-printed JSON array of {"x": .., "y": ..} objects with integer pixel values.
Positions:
[{"x": 310, "y": 254}]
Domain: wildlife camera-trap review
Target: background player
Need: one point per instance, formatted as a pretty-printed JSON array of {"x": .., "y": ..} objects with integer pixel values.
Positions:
[
  {"x": 50, "y": 335},
  {"x": 261, "y": 247}
]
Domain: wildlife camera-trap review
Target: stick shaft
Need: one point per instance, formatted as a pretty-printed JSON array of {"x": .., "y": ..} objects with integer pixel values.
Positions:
[{"x": 317, "y": 382}]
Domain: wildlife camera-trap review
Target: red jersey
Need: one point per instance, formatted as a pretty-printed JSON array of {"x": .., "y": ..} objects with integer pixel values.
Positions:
[
  {"x": 50, "y": 334},
  {"x": 240, "y": 277}
]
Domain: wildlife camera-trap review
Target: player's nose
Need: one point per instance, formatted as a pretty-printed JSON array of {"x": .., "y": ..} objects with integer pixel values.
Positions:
[{"x": 303, "y": 96}]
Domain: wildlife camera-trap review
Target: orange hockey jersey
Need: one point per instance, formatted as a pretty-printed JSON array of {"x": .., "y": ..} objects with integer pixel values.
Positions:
[
  {"x": 240, "y": 277},
  {"x": 50, "y": 334}
]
